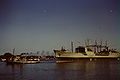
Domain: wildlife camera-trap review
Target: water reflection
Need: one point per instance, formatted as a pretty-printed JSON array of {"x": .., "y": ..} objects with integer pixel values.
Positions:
[
  {"x": 16, "y": 70},
  {"x": 83, "y": 70},
  {"x": 95, "y": 70}
]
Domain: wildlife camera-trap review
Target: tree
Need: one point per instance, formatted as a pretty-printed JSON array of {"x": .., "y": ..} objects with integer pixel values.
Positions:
[{"x": 7, "y": 56}]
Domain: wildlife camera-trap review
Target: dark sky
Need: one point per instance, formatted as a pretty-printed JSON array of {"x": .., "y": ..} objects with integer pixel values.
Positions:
[{"x": 35, "y": 25}]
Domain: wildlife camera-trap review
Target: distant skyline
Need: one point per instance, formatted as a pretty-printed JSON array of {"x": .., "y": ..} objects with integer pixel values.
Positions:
[{"x": 36, "y": 25}]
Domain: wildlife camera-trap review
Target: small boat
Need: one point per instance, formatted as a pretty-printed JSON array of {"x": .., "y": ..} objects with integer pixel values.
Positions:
[{"x": 23, "y": 60}]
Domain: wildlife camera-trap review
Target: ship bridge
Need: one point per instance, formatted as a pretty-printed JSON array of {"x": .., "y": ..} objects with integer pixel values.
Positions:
[{"x": 84, "y": 50}]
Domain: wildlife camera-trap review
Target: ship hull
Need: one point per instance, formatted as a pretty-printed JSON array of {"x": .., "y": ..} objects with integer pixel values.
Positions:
[
  {"x": 78, "y": 59},
  {"x": 23, "y": 62}
]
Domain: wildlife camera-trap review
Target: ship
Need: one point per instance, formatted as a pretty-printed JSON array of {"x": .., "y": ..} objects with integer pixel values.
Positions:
[{"x": 90, "y": 52}]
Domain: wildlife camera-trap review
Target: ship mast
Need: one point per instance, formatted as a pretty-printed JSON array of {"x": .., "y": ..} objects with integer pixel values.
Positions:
[
  {"x": 71, "y": 46},
  {"x": 95, "y": 48},
  {"x": 100, "y": 46},
  {"x": 13, "y": 51},
  {"x": 106, "y": 45},
  {"x": 87, "y": 42}
]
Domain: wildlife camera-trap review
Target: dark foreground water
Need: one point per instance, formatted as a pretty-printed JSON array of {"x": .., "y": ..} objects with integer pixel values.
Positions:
[{"x": 83, "y": 70}]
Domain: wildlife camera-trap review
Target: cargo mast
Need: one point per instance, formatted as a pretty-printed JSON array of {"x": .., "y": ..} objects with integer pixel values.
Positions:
[{"x": 71, "y": 46}]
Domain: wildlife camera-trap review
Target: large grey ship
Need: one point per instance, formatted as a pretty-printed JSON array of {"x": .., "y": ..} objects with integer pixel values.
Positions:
[{"x": 87, "y": 52}]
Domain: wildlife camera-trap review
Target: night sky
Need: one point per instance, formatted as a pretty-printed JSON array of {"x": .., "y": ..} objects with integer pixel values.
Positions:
[{"x": 36, "y": 25}]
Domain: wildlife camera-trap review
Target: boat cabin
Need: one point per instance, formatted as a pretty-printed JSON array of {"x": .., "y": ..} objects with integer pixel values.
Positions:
[{"x": 81, "y": 49}]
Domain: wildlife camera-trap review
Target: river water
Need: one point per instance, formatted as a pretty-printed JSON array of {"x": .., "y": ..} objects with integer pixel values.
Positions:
[{"x": 83, "y": 70}]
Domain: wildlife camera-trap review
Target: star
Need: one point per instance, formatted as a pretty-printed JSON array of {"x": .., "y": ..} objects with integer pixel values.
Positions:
[
  {"x": 45, "y": 11},
  {"x": 111, "y": 11}
]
